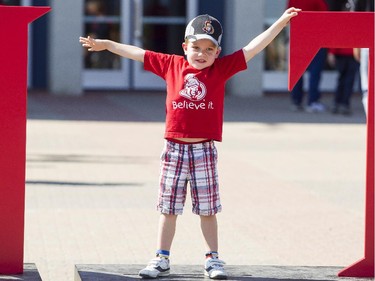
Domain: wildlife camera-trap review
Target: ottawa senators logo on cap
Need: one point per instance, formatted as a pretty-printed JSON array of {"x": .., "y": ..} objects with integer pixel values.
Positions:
[{"x": 208, "y": 28}]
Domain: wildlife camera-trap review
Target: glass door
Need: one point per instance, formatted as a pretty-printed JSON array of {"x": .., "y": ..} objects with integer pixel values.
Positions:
[
  {"x": 156, "y": 25},
  {"x": 105, "y": 19},
  {"x": 159, "y": 25}
]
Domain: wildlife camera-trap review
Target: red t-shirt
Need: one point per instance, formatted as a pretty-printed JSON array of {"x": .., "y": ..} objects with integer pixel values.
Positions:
[
  {"x": 309, "y": 5},
  {"x": 195, "y": 98},
  {"x": 348, "y": 52}
]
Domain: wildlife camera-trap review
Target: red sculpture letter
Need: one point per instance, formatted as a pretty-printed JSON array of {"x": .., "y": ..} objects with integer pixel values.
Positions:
[
  {"x": 311, "y": 31},
  {"x": 13, "y": 88}
]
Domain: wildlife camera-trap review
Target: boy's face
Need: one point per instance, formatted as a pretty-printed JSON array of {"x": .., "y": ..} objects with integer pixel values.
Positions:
[{"x": 201, "y": 53}]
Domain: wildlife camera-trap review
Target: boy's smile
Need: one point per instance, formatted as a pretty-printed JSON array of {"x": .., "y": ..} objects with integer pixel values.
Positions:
[{"x": 201, "y": 53}]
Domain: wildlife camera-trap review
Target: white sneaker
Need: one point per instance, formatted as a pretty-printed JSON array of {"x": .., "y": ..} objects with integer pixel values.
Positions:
[
  {"x": 316, "y": 107},
  {"x": 214, "y": 268},
  {"x": 157, "y": 267}
]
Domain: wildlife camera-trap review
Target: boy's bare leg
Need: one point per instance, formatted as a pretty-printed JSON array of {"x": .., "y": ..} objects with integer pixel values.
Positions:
[
  {"x": 209, "y": 230},
  {"x": 213, "y": 266},
  {"x": 167, "y": 229},
  {"x": 159, "y": 266}
]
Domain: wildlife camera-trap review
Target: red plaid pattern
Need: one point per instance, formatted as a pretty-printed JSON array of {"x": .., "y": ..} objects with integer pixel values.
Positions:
[{"x": 193, "y": 163}]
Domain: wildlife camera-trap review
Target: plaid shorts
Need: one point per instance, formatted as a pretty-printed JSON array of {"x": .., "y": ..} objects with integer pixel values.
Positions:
[{"x": 193, "y": 163}]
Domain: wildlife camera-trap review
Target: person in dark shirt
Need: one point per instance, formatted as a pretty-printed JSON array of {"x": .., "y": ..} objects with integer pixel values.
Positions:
[
  {"x": 314, "y": 69},
  {"x": 346, "y": 65}
]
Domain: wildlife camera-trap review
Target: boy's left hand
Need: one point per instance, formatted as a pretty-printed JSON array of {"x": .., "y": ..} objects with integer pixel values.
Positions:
[{"x": 289, "y": 13}]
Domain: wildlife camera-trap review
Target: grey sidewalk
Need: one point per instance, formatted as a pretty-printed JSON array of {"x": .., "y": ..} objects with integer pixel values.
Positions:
[
  {"x": 236, "y": 273},
  {"x": 292, "y": 184}
]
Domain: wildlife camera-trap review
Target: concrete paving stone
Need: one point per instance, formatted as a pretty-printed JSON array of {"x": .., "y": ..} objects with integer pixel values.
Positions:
[
  {"x": 195, "y": 272},
  {"x": 292, "y": 184},
  {"x": 30, "y": 273}
]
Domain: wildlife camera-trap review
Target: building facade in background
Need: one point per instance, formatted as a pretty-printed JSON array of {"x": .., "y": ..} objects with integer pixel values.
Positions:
[{"x": 58, "y": 64}]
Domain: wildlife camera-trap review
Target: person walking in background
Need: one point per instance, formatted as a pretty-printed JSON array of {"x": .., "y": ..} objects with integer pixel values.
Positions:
[
  {"x": 362, "y": 55},
  {"x": 347, "y": 66},
  {"x": 314, "y": 69}
]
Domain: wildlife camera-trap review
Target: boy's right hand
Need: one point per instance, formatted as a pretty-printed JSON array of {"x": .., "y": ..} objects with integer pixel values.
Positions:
[{"x": 93, "y": 45}]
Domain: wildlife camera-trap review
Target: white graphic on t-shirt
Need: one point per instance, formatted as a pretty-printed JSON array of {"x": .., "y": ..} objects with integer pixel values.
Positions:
[{"x": 194, "y": 89}]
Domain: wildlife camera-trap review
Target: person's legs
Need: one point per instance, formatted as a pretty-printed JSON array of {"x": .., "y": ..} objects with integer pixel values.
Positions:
[
  {"x": 210, "y": 233},
  {"x": 167, "y": 229},
  {"x": 351, "y": 71},
  {"x": 172, "y": 191},
  {"x": 172, "y": 196},
  {"x": 209, "y": 230},
  {"x": 204, "y": 187},
  {"x": 315, "y": 69},
  {"x": 214, "y": 267},
  {"x": 339, "y": 92},
  {"x": 364, "y": 76},
  {"x": 159, "y": 266},
  {"x": 296, "y": 95}
]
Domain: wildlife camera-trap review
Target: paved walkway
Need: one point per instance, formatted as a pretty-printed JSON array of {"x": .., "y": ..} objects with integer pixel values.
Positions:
[
  {"x": 292, "y": 184},
  {"x": 235, "y": 273}
]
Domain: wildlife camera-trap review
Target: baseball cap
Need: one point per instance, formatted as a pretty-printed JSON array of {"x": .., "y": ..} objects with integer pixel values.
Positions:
[{"x": 204, "y": 27}]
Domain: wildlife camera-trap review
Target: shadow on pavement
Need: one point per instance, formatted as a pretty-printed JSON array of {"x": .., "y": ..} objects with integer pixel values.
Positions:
[
  {"x": 30, "y": 273},
  {"x": 150, "y": 107},
  {"x": 194, "y": 272}
]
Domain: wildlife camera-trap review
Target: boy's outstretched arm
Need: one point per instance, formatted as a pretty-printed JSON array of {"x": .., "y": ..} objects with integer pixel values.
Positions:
[
  {"x": 262, "y": 40},
  {"x": 127, "y": 51}
]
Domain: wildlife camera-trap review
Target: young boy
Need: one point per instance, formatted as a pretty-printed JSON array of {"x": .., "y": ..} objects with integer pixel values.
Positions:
[{"x": 194, "y": 120}]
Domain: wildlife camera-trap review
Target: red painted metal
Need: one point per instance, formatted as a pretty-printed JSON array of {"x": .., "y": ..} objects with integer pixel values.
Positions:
[
  {"x": 311, "y": 31},
  {"x": 13, "y": 88}
]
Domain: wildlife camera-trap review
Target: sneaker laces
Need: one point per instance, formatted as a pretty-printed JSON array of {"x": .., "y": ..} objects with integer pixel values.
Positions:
[
  {"x": 217, "y": 264},
  {"x": 154, "y": 262}
]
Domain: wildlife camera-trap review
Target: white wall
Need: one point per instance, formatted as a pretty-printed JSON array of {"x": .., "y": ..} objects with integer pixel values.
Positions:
[
  {"x": 244, "y": 21},
  {"x": 65, "y": 57}
]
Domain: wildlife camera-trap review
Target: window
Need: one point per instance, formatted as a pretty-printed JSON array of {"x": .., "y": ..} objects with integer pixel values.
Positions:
[
  {"x": 276, "y": 53},
  {"x": 102, "y": 20},
  {"x": 10, "y": 2},
  {"x": 276, "y": 58},
  {"x": 164, "y": 25}
]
